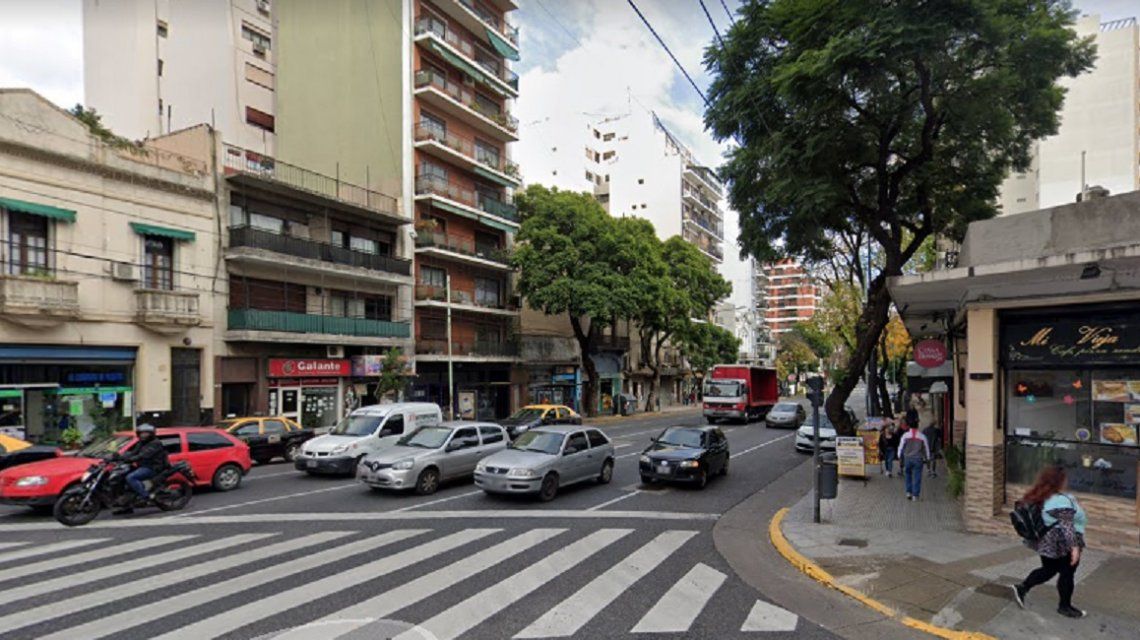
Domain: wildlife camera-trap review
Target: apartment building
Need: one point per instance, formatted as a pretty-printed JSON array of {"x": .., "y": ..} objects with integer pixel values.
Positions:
[
  {"x": 156, "y": 66},
  {"x": 1100, "y": 127},
  {"x": 109, "y": 258},
  {"x": 792, "y": 295}
]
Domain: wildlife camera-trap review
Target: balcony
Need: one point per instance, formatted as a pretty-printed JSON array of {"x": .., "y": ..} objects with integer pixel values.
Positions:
[
  {"x": 458, "y": 49},
  {"x": 435, "y": 349},
  {"x": 501, "y": 36},
  {"x": 468, "y": 202},
  {"x": 461, "y": 151},
  {"x": 258, "y": 325},
  {"x": 432, "y": 296},
  {"x": 463, "y": 249},
  {"x": 713, "y": 230},
  {"x": 704, "y": 177},
  {"x": 611, "y": 343},
  {"x": 167, "y": 310},
  {"x": 458, "y": 101},
  {"x": 256, "y": 245},
  {"x": 697, "y": 198},
  {"x": 251, "y": 168},
  {"x": 38, "y": 301}
]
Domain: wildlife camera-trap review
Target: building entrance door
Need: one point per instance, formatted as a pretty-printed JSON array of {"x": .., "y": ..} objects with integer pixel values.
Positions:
[{"x": 289, "y": 403}]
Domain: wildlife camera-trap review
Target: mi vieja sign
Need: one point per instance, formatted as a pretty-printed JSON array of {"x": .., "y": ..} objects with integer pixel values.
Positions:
[{"x": 1105, "y": 340}]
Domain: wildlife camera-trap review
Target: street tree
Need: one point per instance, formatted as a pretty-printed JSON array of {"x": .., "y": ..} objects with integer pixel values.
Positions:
[
  {"x": 897, "y": 120},
  {"x": 574, "y": 259},
  {"x": 705, "y": 344},
  {"x": 393, "y": 375}
]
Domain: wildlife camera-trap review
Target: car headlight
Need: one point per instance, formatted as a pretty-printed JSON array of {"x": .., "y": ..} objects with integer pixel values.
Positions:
[
  {"x": 521, "y": 472},
  {"x": 32, "y": 481},
  {"x": 403, "y": 465},
  {"x": 481, "y": 467},
  {"x": 646, "y": 459},
  {"x": 689, "y": 464}
]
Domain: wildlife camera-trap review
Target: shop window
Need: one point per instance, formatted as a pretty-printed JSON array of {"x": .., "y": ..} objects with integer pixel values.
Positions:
[
  {"x": 27, "y": 250},
  {"x": 158, "y": 263}
]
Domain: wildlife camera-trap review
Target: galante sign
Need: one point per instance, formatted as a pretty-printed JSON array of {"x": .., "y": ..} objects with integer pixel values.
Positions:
[
  {"x": 1111, "y": 340},
  {"x": 304, "y": 368}
]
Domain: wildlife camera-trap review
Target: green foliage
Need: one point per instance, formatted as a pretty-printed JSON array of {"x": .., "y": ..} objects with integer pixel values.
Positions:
[
  {"x": 956, "y": 468},
  {"x": 71, "y": 437},
  {"x": 392, "y": 374},
  {"x": 94, "y": 123},
  {"x": 705, "y": 344},
  {"x": 816, "y": 337}
]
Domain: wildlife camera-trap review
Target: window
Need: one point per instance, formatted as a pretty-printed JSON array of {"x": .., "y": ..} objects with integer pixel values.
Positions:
[
  {"x": 350, "y": 305},
  {"x": 576, "y": 442},
  {"x": 274, "y": 428},
  {"x": 589, "y": 176},
  {"x": 248, "y": 429},
  {"x": 160, "y": 67},
  {"x": 608, "y": 137},
  {"x": 158, "y": 263},
  {"x": 433, "y": 329},
  {"x": 266, "y": 223},
  {"x": 561, "y": 414},
  {"x": 259, "y": 119},
  {"x": 491, "y": 434},
  {"x": 433, "y": 276},
  {"x": 433, "y": 170},
  {"x": 206, "y": 441},
  {"x": 163, "y": 29},
  {"x": 363, "y": 245},
  {"x": 609, "y": 154},
  {"x": 487, "y": 292},
  {"x": 486, "y": 154},
  {"x": 27, "y": 244},
  {"x": 259, "y": 76},
  {"x": 485, "y": 105},
  {"x": 172, "y": 444},
  {"x": 487, "y": 61},
  {"x": 597, "y": 134},
  {"x": 641, "y": 181},
  {"x": 435, "y": 127},
  {"x": 486, "y": 243},
  {"x": 465, "y": 438},
  {"x": 260, "y": 40},
  {"x": 394, "y": 426},
  {"x": 597, "y": 438}
]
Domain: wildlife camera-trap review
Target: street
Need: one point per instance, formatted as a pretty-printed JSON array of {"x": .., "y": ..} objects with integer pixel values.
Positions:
[{"x": 287, "y": 550}]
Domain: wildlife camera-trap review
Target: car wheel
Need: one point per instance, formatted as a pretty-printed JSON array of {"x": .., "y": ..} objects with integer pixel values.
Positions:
[
  {"x": 712, "y": 420},
  {"x": 428, "y": 482},
  {"x": 262, "y": 460},
  {"x": 703, "y": 479},
  {"x": 607, "y": 473},
  {"x": 549, "y": 488},
  {"x": 227, "y": 478},
  {"x": 724, "y": 468},
  {"x": 292, "y": 451}
]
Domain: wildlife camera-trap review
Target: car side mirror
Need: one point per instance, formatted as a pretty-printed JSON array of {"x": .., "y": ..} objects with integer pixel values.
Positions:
[{"x": 454, "y": 445}]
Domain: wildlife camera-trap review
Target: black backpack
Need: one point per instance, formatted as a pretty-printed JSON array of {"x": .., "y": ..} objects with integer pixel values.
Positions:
[{"x": 1028, "y": 521}]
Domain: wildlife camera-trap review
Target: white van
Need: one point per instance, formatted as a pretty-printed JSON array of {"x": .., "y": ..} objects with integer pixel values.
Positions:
[{"x": 364, "y": 431}]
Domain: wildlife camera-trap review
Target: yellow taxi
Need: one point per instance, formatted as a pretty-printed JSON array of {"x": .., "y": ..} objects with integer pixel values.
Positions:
[
  {"x": 268, "y": 437},
  {"x": 535, "y": 415}
]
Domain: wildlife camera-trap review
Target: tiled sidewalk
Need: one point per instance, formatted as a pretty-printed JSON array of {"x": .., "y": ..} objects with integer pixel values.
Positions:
[{"x": 916, "y": 557}]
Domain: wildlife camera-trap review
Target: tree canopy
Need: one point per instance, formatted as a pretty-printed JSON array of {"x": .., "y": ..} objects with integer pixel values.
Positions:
[
  {"x": 705, "y": 344},
  {"x": 892, "y": 122}
]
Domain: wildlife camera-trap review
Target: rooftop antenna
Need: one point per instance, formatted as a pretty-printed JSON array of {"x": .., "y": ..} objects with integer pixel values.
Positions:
[{"x": 1084, "y": 184}]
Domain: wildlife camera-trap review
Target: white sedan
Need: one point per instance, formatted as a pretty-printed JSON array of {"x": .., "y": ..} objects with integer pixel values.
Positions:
[{"x": 804, "y": 435}]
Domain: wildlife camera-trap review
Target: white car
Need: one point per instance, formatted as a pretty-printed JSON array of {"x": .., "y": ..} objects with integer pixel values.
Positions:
[
  {"x": 364, "y": 431},
  {"x": 804, "y": 435}
]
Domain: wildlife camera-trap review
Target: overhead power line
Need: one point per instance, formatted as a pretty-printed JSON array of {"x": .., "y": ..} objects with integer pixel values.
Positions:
[
  {"x": 553, "y": 17},
  {"x": 730, "y": 18},
  {"x": 668, "y": 51},
  {"x": 711, "y": 23}
]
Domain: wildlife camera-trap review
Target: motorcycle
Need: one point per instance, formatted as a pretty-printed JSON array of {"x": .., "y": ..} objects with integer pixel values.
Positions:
[{"x": 104, "y": 486}]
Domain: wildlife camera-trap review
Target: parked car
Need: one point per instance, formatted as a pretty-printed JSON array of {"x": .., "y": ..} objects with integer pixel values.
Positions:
[
  {"x": 269, "y": 438},
  {"x": 536, "y": 415},
  {"x": 804, "y": 438},
  {"x": 786, "y": 415},
  {"x": 685, "y": 454},
  {"x": 218, "y": 459},
  {"x": 430, "y": 455},
  {"x": 14, "y": 451},
  {"x": 367, "y": 430},
  {"x": 546, "y": 458}
]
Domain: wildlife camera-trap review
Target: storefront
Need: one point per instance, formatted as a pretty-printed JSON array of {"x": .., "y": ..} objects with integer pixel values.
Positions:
[
  {"x": 609, "y": 366},
  {"x": 555, "y": 385},
  {"x": 482, "y": 389},
  {"x": 308, "y": 391}
]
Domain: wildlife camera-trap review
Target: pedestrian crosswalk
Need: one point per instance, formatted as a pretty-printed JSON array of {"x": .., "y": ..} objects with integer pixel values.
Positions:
[{"x": 340, "y": 584}]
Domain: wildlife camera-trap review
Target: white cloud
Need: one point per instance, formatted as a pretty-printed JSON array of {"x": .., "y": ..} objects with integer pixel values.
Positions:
[{"x": 41, "y": 47}]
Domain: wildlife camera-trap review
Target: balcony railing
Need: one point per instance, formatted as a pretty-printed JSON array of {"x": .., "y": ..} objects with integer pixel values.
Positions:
[
  {"x": 463, "y": 245},
  {"x": 714, "y": 229},
  {"x": 466, "y": 147},
  {"x": 460, "y": 94},
  {"x": 291, "y": 322},
  {"x": 243, "y": 161},
  {"x": 159, "y": 306},
  {"x": 300, "y": 248},
  {"x": 477, "y": 348},
  {"x": 459, "y": 296},
  {"x": 461, "y": 43},
  {"x": 40, "y": 296},
  {"x": 699, "y": 197},
  {"x": 438, "y": 186},
  {"x": 502, "y": 26},
  {"x": 611, "y": 343},
  {"x": 704, "y": 174}
]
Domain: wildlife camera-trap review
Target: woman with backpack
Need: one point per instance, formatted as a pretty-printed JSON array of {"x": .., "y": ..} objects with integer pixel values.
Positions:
[{"x": 1062, "y": 541}]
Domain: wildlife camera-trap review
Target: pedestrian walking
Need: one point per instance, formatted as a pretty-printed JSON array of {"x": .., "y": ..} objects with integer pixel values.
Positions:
[
  {"x": 1060, "y": 548},
  {"x": 914, "y": 451},
  {"x": 888, "y": 442},
  {"x": 933, "y": 435}
]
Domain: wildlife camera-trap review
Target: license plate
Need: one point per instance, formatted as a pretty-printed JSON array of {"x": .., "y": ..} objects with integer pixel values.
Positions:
[
  {"x": 662, "y": 468},
  {"x": 311, "y": 464}
]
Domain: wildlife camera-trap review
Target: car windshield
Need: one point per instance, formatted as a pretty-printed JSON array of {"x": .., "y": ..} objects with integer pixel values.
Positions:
[
  {"x": 426, "y": 438},
  {"x": 786, "y": 407},
  {"x": 679, "y": 437},
  {"x": 356, "y": 425},
  {"x": 824, "y": 423},
  {"x": 722, "y": 389},
  {"x": 539, "y": 442},
  {"x": 526, "y": 415},
  {"x": 105, "y": 446}
]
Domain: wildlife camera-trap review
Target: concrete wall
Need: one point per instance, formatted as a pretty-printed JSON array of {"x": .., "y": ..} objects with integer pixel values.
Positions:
[{"x": 120, "y": 45}]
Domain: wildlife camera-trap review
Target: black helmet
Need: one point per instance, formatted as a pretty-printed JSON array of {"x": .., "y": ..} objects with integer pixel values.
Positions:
[{"x": 145, "y": 427}]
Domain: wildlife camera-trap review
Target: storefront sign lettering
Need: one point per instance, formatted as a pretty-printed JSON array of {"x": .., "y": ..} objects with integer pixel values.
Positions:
[
  {"x": 1077, "y": 341},
  {"x": 290, "y": 368},
  {"x": 930, "y": 353}
]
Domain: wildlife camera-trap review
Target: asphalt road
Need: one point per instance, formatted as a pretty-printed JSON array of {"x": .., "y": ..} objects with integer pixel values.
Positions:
[{"x": 289, "y": 555}]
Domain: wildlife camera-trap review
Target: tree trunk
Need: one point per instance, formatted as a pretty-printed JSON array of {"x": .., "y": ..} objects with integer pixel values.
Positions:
[
  {"x": 872, "y": 321},
  {"x": 655, "y": 379},
  {"x": 590, "y": 386}
]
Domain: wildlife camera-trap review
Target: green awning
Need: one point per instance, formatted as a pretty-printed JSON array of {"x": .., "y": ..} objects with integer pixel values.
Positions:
[
  {"x": 55, "y": 213},
  {"x": 505, "y": 49},
  {"x": 144, "y": 229},
  {"x": 494, "y": 177},
  {"x": 490, "y": 222},
  {"x": 467, "y": 67}
]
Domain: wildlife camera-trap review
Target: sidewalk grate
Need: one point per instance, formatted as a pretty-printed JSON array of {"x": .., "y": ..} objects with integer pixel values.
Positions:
[{"x": 852, "y": 542}]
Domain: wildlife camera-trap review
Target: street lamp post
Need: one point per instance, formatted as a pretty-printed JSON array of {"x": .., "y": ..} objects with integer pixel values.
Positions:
[
  {"x": 450, "y": 365},
  {"x": 815, "y": 393}
]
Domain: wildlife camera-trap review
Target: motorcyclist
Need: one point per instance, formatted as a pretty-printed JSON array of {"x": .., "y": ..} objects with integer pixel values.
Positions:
[{"x": 150, "y": 459}]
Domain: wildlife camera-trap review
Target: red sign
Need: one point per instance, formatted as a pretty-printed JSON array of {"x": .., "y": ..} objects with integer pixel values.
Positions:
[
  {"x": 289, "y": 368},
  {"x": 930, "y": 353}
]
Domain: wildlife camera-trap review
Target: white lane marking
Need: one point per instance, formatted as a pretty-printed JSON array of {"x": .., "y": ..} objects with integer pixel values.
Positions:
[
  {"x": 122, "y": 591},
  {"x": 574, "y": 612},
  {"x": 424, "y": 504},
  {"x": 358, "y": 615},
  {"x": 48, "y": 548},
  {"x": 682, "y": 603},
  {"x": 622, "y": 446},
  {"x": 262, "y": 501},
  {"x": 769, "y": 617},
  {"x": 119, "y": 622},
  {"x": 761, "y": 446},
  {"x": 617, "y": 499},
  {"x": 467, "y": 614},
  {"x": 102, "y": 553},
  {"x": 145, "y": 560},
  {"x": 274, "y": 475},
  {"x": 232, "y": 619}
]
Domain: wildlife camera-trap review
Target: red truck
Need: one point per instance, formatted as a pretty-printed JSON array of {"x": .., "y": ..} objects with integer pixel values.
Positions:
[{"x": 739, "y": 392}]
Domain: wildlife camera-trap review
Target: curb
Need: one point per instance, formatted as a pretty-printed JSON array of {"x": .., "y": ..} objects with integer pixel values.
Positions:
[
  {"x": 640, "y": 414},
  {"x": 819, "y": 574}
]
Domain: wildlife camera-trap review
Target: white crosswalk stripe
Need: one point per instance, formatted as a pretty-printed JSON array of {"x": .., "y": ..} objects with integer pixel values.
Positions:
[
  {"x": 682, "y": 603},
  {"x": 64, "y": 561},
  {"x": 48, "y": 549},
  {"x": 769, "y": 617},
  {"x": 9, "y": 545}
]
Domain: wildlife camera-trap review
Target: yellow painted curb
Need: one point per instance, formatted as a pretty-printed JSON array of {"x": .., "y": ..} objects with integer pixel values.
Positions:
[{"x": 819, "y": 574}]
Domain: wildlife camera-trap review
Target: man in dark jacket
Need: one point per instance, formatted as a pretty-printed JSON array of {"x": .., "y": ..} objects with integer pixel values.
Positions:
[{"x": 150, "y": 458}]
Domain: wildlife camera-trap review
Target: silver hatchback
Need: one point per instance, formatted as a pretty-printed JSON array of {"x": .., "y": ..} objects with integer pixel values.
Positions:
[
  {"x": 541, "y": 460},
  {"x": 430, "y": 455}
]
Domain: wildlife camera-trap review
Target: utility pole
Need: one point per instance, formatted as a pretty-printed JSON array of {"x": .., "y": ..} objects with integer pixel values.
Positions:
[
  {"x": 872, "y": 394},
  {"x": 450, "y": 364},
  {"x": 815, "y": 394}
]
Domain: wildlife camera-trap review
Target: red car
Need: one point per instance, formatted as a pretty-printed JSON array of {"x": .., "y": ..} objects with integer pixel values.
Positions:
[{"x": 218, "y": 459}]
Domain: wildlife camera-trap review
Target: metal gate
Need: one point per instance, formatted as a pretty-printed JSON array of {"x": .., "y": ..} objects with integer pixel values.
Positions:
[{"x": 185, "y": 386}]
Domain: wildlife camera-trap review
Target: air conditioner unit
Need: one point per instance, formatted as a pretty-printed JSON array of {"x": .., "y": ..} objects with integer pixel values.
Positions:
[
  {"x": 259, "y": 49},
  {"x": 334, "y": 351},
  {"x": 263, "y": 6},
  {"x": 123, "y": 271},
  {"x": 468, "y": 80}
]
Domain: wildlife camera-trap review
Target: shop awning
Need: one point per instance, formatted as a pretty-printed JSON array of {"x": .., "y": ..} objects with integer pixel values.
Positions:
[
  {"x": 494, "y": 177},
  {"x": 463, "y": 64},
  {"x": 505, "y": 49},
  {"x": 41, "y": 353},
  {"x": 55, "y": 213},
  {"x": 144, "y": 229}
]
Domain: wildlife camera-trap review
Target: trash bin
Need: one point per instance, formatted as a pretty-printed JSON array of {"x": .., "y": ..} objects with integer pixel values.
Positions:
[
  {"x": 828, "y": 476},
  {"x": 627, "y": 403}
]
